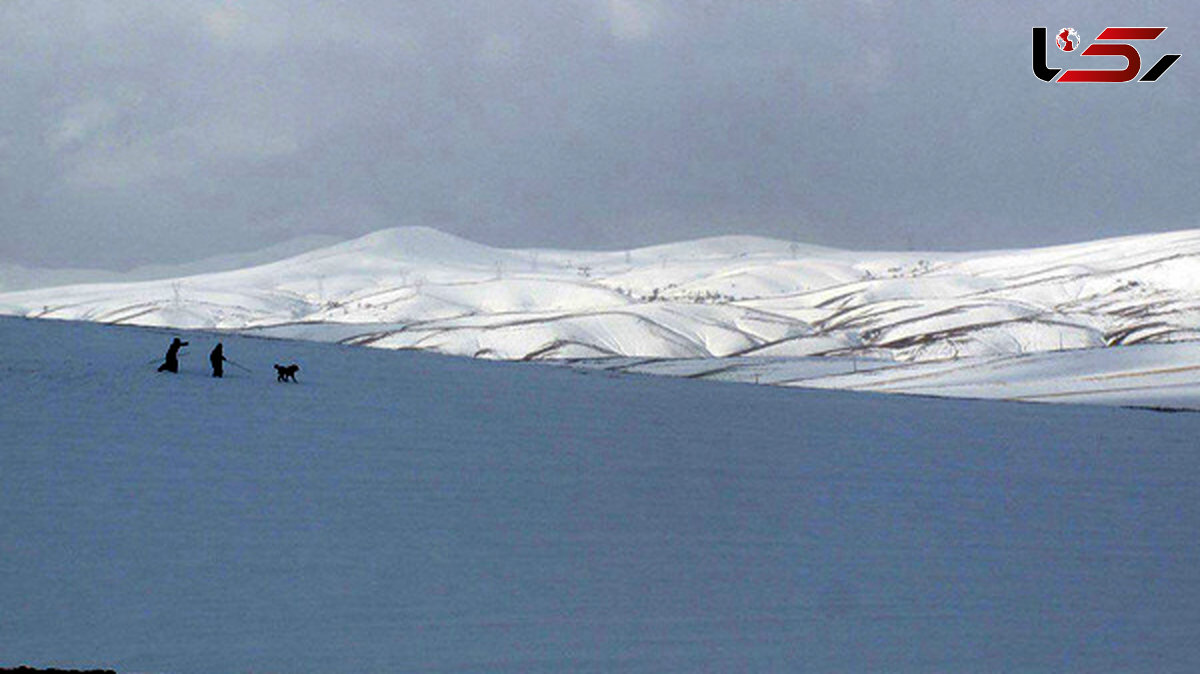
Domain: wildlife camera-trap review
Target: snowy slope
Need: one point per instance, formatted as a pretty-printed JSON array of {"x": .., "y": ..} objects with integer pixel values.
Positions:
[
  {"x": 417, "y": 288},
  {"x": 408, "y": 512},
  {"x": 1163, "y": 376},
  {"x": 15, "y": 277}
]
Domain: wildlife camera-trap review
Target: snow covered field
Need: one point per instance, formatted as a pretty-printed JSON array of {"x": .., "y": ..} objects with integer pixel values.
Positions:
[
  {"x": 1160, "y": 376},
  {"x": 1042, "y": 324},
  {"x": 405, "y": 511}
]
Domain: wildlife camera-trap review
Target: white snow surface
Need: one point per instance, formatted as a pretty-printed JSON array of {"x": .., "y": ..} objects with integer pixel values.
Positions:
[
  {"x": 17, "y": 277},
  {"x": 735, "y": 296},
  {"x": 1162, "y": 376},
  {"x": 409, "y": 512}
]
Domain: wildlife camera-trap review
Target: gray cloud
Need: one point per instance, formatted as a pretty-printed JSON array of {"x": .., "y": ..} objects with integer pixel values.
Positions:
[{"x": 139, "y": 131}]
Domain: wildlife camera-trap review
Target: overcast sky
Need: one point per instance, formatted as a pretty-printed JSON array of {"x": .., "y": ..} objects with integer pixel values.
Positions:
[{"x": 143, "y": 131}]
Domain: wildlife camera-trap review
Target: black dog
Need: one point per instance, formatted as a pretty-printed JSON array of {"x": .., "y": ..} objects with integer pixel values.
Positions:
[{"x": 286, "y": 373}]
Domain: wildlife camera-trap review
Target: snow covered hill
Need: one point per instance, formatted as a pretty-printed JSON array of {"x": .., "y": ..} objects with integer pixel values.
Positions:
[
  {"x": 1160, "y": 376},
  {"x": 409, "y": 512},
  {"x": 729, "y": 296},
  {"x": 16, "y": 277}
]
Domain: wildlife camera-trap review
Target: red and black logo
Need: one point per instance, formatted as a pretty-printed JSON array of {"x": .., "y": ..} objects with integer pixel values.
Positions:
[{"x": 1110, "y": 42}]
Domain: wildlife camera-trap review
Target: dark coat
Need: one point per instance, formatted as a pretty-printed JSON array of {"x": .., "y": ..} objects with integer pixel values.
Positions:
[
  {"x": 217, "y": 358},
  {"x": 171, "y": 363}
]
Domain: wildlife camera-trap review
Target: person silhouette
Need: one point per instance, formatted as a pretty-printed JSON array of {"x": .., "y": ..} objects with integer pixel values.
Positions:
[
  {"x": 217, "y": 358},
  {"x": 171, "y": 363}
]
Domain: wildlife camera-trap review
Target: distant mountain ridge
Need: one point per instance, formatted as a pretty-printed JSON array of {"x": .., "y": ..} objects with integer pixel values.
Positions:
[
  {"x": 725, "y": 296},
  {"x": 14, "y": 277}
]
